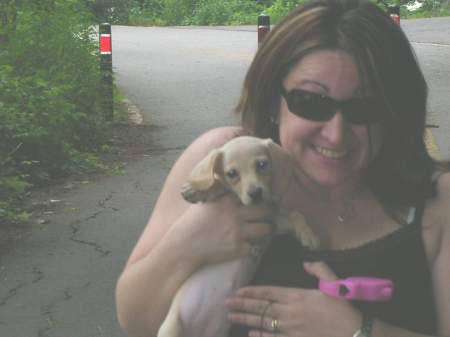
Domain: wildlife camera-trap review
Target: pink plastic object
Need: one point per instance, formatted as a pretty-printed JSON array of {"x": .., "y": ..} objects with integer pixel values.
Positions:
[{"x": 359, "y": 288}]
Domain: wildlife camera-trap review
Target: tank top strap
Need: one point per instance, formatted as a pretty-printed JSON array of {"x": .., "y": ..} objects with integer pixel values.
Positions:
[{"x": 417, "y": 215}]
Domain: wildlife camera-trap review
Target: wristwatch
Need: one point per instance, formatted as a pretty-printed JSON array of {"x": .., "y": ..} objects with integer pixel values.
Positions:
[{"x": 366, "y": 327}]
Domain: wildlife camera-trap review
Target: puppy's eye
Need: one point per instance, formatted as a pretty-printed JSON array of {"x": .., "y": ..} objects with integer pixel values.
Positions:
[
  {"x": 232, "y": 174},
  {"x": 262, "y": 165}
]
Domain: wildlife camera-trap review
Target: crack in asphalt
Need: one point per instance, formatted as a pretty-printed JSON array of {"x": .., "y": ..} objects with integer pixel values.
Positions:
[
  {"x": 39, "y": 275},
  {"x": 75, "y": 229},
  {"x": 48, "y": 310},
  {"x": 11, "y": 293},
  {"x": 138, "y": 186},
  {"x": 75, "y": 226}
]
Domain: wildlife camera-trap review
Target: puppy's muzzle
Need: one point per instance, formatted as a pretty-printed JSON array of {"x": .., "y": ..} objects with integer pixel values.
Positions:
[{"x": 255, "y": 194}]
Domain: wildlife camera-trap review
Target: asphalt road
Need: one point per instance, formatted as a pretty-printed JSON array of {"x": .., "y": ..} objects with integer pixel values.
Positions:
[{"x": 57, "y": 274}]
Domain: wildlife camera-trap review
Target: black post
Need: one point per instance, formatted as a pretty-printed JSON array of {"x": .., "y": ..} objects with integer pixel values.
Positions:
[
  {"x": 105, "y": 46},
  {"x": 263, "y": 27}
]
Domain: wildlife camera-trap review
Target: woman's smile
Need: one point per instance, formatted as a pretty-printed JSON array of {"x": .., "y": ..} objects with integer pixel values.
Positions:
[{"x": 330, "y": 153}]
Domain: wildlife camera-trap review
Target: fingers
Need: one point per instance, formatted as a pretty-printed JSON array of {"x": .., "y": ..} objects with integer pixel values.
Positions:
[
  {"x": 257, "y": 314},
  {"x": 320, "y": 270},
  {"x": 279, "y": 295},
  {"x": 254, "y": 306},
  {"x": 254, "y": 321}
]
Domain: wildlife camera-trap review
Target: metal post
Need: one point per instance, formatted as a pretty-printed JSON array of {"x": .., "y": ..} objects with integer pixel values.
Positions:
[
  {"x": 263, "y": 27},
  {"x": 105, "y": 46}
]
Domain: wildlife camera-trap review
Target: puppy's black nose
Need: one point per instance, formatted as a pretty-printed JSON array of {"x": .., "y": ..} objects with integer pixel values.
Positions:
[{"x": 255, "y": 194}]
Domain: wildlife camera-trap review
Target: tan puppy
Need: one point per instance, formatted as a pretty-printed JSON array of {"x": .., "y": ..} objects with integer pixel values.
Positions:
[{"x": 257, "y": 171}]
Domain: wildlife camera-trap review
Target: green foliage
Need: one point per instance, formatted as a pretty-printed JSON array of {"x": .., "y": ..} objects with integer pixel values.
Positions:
[
  {"x": 177, "y": 11},
  {"x": 430, "y": 8},
  {"x": 211, "y": 12},
  {"x": 246, "y": 12},
  {"x": 112, "y": 11},
  {"x": 51, "y": 119},
  {"x": 12, "y": 187},
  {"x": 147, "y": 13},
  {"x": 280, "y": 8},
  {"x": 195, "y": 12},
  {"x": 238, "y": 12}
]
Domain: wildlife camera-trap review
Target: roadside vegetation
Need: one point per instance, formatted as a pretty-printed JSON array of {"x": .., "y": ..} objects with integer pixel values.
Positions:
[
  {"x": 244, "y": 12},
  {"x": 51, "y": 119}
]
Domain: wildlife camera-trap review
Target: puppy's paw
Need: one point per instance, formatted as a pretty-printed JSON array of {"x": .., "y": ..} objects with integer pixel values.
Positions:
[
  {"x": 308, "y": 239},
  {"x": 190, "y": 194},
  {"x": 303, "y": 232}
]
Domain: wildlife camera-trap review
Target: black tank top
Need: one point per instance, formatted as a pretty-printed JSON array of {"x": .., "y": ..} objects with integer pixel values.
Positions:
[{"x": 399, "y": 256}]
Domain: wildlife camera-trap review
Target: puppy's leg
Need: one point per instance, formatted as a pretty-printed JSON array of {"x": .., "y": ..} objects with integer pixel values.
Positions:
[
  {"x": 295, "y": 223},
  {"x": 171, "y": 327},
  {"x": 194, "y": 195}
]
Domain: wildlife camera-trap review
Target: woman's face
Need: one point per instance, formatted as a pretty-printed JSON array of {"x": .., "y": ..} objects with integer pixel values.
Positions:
[{"x": 333, "y": 152}]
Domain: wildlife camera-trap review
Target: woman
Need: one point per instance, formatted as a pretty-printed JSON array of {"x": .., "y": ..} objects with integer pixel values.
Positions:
[{"x": 337, "y": 85}]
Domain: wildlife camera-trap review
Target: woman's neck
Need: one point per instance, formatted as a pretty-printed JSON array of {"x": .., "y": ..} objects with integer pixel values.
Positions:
[{"x": 341, "y": 216}]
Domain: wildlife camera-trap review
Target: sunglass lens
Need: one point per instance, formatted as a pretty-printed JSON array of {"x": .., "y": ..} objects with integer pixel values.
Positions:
[
  {"x": 310, "y": 105},
  {"x": 315, "y": 107},
  {"x": 362, "y": 111}
]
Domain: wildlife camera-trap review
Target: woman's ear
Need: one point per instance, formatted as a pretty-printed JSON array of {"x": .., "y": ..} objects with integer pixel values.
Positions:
[{"x": 204, "y": 178}]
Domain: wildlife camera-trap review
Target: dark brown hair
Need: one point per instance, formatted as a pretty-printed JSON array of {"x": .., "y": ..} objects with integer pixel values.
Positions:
[{"x": 401, "y": 173}]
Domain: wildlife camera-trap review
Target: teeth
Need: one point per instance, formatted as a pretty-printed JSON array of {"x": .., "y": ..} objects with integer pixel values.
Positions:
[{"x": 330, "y": 153}]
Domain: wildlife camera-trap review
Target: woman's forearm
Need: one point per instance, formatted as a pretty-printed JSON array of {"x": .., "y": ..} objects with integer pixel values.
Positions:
[{"x": 160, "y": 274}]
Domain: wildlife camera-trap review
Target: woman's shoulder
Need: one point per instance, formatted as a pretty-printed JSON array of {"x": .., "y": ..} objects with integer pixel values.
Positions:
[
  {"x": 212, "y": 139},
  {"x": 201, "y": 146},
  {"x": 440, "y": 204},
  {"x": 215, "y": 138}
]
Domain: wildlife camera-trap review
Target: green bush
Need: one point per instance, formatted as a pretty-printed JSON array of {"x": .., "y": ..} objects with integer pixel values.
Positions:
[
  {"x": 280, "y": 8},
  {"x": 211, "y": 12},
  {"x": 218, "y": 12},
  {"x": 176, "y": 12},
  {"x": 51, "y": 118},
  {"x": 112, "y": 11},
  {"x": 148, "y": 13}
]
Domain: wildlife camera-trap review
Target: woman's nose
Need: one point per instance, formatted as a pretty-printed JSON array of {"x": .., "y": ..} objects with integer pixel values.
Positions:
[{"x": 333, "y": 130}]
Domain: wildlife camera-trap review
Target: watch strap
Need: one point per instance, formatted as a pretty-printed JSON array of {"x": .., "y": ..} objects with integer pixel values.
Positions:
[{"x": 366, "y": 327}]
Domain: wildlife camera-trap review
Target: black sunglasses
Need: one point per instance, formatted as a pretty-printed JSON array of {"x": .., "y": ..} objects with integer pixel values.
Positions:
[{"x": 318, "y": 107}]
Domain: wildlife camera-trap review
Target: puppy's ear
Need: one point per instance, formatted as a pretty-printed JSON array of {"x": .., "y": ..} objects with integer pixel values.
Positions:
[
  {"x": 203, "y": 181},
  {"x": 203, "y": 175},
  {"x": 282, "y": 167}
]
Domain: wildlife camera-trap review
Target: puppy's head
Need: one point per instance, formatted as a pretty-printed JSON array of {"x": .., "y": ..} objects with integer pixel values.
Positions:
[
  {"x": 250, "y": 167},
  {"x": 247, "y": 169}
]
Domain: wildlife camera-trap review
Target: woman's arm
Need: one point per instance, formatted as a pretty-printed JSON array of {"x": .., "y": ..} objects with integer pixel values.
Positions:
[
  {"x": 438, "y": 219},
  {"x": 178, "y": 238},
  {"x": 436, "y": 233}
]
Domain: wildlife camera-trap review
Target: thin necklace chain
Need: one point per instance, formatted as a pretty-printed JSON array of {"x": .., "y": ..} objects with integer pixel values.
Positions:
[{"x": 347, "y": 211}]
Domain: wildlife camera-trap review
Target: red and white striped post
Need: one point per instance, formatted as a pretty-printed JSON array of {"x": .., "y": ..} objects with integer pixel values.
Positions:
[
  {"x": 105, "y": 47},
  {"x": 394, "y": 13},
  {"x": 263, "y": 27}
]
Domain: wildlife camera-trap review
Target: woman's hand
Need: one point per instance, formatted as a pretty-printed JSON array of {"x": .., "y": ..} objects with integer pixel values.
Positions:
[
  {"x": 222, "y": 229},
  {"x": 283, "y": 312}
]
